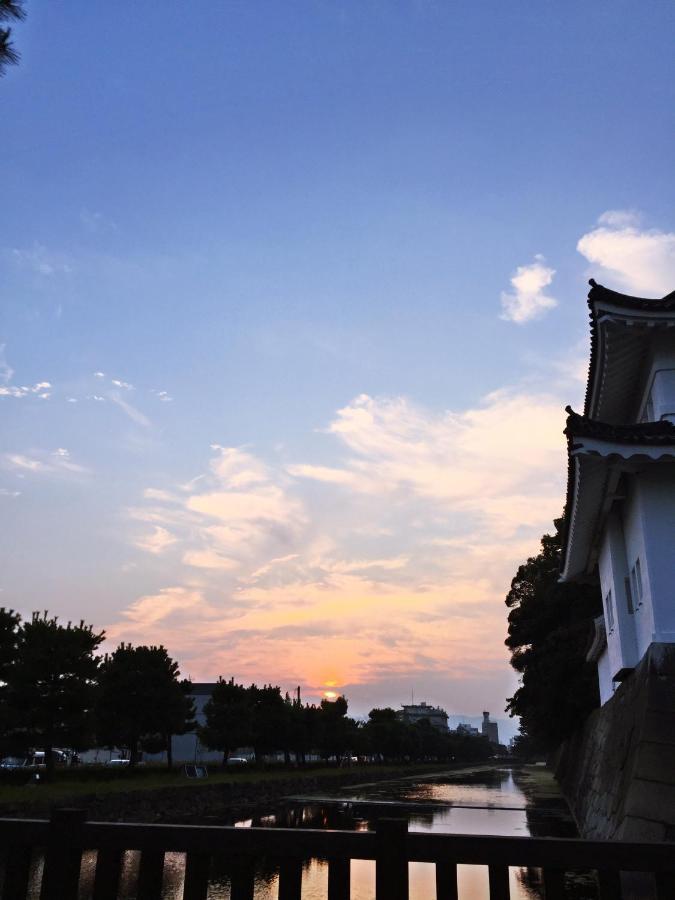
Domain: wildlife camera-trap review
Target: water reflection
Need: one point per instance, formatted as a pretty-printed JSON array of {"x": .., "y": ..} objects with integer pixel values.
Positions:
[{"x": 498, "y": 801}]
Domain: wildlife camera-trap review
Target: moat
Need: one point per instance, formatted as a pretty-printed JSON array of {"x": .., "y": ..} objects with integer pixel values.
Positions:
[{"x": 500, "y": 800}]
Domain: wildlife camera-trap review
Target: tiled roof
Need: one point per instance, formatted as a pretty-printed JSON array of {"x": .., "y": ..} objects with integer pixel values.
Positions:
[
  {"x": 640, "y": 433},
  {"x": 599, "y": 294},
  {"x": 644, "y": 433}
]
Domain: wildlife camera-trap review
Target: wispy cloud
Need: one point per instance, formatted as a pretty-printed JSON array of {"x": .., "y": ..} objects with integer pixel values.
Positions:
[
  {"x": 131, "y": 411},
  {"x": 41, "y": 261},
  {"x": 57, "y": 462},
  {"x": 628, "y": 256},
  {"x": 527, "y": 300},
  {"x": 159, "y": 540}
]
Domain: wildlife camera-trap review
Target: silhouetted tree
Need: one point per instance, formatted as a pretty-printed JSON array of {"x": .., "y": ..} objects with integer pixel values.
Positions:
[
  {"x": 9, "y": 10},
  {"x": 269, "y": 720},
  {"x": 51, "y": 684},
  {"x": 228, "y": 714},
  {"x": 549, "y": 634},
  {"x": 334, "y": 727},
  {"x": 142, "y": 700},
  {"x": 386, "y": 733},
  {"x": 10, "y": 635}
]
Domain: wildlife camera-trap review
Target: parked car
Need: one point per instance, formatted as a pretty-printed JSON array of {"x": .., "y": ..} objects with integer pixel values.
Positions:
[
  {"x": 236, "y": 761},
  {"x": 118, "y": 763},
  {"x": 15, "y": 762}
]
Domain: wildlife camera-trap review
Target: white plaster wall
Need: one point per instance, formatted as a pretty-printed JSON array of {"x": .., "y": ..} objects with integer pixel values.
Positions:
[
  {"x": 634, "y": 534},
  {"x": 605, "y": 678},
  {"x": 614, "y": 656},
  {"x": 659, "y": 386},
  {"x": 657, "y": 491}
]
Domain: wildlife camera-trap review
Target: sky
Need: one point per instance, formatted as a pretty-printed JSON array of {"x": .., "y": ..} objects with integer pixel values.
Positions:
[{"x": 292, "y": 300}]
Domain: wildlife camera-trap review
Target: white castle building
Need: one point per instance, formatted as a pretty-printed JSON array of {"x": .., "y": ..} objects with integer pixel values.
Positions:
[{"x": 620, "y": 512}]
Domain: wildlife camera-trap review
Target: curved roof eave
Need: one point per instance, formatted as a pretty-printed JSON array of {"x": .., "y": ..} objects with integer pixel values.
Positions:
[
  {"x": 611, "y": 341},
  {"x": 594, "y": 449}
]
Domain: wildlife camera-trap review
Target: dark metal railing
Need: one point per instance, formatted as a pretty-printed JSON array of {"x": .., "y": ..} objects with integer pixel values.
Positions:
[{"x": 65, "y": 837}]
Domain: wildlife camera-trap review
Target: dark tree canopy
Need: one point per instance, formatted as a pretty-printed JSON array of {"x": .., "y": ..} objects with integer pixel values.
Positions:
[
  {"x": 51, "y": 684},
  {"x": 9, "y": 10},
  {"x": 228, "y": 716},
  {"x": 142, "y": 700},
  {"x": 550, "y": 627}
]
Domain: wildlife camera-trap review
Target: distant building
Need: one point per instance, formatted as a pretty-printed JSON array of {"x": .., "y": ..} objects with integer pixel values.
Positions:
[
  {"x": 465, "y": 728},
  {"x": 489, "y": 729},
  {"x": 414, "y": 713}
]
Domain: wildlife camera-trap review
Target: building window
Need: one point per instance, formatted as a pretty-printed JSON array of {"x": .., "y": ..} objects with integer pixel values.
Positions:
[
  {"x": 609, "y": 611},
  {"x": 629, "y": 595},
  {"x": 636, "y": 582}
]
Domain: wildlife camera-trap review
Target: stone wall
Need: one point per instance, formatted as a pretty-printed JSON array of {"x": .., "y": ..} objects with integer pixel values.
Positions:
[{"x": 618, "y": 771}]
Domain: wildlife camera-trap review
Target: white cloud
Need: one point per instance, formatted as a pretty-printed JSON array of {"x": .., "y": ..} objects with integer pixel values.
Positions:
[
  {"x": 125, "y": 385},
  {"x": 527, "y": 300},
  {"x": 159, "y": 540},
  {"x": 99, "y": 374},
  {"x": 57, "y": 462},
  {"x": 390, "y": 561},
  {"x": 163, "y": 396},
  {"x": 5, "y": 492},
  {"x": 40, "y": 388},
  {"x": 209, "y": 559},
  {"x": 629, "y": 258}
]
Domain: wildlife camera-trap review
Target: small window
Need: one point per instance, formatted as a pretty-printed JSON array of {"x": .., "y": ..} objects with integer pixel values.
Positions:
[
  {"x": 609, "y": 611},
  {"x": 629, "y": 595},
  {"x": 636, "y": 583}
]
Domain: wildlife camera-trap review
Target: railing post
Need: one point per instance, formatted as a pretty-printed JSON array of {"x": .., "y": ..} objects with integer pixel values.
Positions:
[
  {"x": 499, "y": 882},
  {"x": 339, "y": 875},
  {"x": 107, "y": 874},
  {"x": 196, "y": 883},
  {"x": 61, "y": 877},
  {"x": 609, "y": 881},
  {"x": 242, "y": 881},
  {"x": 150, "y": 874},
  {"x": 446, "y": 880},
  {"x": 290, "y": 879},
  {"x": 391, "y": 865}
]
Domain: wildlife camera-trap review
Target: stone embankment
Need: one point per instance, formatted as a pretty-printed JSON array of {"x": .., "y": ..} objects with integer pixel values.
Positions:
[{"x": 618, "y": 771}]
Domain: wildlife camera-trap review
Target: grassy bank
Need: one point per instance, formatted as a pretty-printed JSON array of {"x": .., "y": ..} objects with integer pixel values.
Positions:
[{"x": 158, "y": 794}]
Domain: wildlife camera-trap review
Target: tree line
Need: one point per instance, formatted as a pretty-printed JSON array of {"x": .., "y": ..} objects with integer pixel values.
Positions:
[
  {"x": 269, "y": 722},
  {"x": 57, "y": 691}
]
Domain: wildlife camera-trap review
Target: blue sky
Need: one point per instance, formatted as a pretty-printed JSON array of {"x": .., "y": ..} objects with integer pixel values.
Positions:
[{"x": 336, "y": 255}]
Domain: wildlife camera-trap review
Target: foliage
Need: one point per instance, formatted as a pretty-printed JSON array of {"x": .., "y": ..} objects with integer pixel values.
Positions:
[
  {"x": 549, "y": 634},
  {"x": 391, "y": 739},
  {"x": 51, "y": 683},
  {"x": 9, "y": 9},
  {"x": 228, "y": 718},
  {"x": 142, "y": 700}
]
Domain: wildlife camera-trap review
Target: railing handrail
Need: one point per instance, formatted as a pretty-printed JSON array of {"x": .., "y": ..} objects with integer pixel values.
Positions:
[{"x": 561, "y": 853}]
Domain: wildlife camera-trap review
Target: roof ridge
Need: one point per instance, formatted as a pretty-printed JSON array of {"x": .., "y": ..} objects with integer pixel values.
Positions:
[{"x": 639, "y": 432}]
